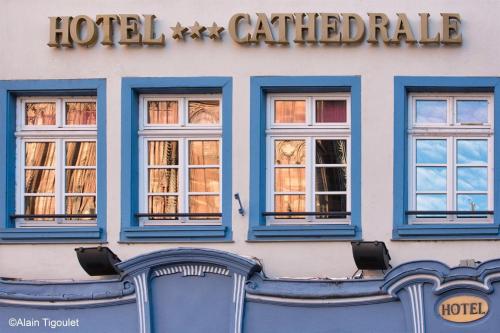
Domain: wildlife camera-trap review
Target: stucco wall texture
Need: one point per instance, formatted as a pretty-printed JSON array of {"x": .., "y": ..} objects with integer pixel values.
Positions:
[{"x": 24, "y": 54}]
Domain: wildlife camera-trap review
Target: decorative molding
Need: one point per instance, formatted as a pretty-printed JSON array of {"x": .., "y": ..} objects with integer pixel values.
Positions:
[
  {"x": 142, "y": 301},
  {"x": 68, "y": 304},
  {"x": 417, "y": 307},
  {"x": 238, "y": 298},
  {"x": 320, "y": 301},
  {"x": 191, "y": 270}
]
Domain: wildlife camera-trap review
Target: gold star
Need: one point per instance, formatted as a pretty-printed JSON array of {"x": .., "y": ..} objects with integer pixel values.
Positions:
[
  {"x": 178, "y": 31},
  {"x": 197, "y": 30},
  {"x": 214, "y": 31}
]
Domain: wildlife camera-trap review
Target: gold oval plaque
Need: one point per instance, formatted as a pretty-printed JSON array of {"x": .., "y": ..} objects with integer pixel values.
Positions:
[{"x": 463, "y": 308}]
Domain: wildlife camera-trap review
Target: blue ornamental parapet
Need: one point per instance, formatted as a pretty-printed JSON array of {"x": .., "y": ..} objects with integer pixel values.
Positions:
[{"x": 190, "y": 290}]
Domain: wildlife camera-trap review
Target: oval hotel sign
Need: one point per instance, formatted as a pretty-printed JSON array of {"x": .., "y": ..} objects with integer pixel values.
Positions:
[{"x": 463, "y": 308}]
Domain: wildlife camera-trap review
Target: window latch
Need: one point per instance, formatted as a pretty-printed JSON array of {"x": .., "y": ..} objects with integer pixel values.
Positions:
[{"x": 240, "y": 210}]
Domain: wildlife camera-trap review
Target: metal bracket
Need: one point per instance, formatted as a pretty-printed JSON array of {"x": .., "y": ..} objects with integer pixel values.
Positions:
[{"x": 240, "y": 210}]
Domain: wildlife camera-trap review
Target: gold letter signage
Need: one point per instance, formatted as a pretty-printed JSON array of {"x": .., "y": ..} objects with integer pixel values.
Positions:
[
  {"x": 262, "y": 28},
  {"x": 463, "y": 308}
]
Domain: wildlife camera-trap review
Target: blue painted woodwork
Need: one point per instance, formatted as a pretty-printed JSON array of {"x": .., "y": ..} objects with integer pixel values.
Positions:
[
  {"x": 198, "y": 290},
  {"x": 132, "y": 87},
  {"x": 10, "y": 90},
  {"x": 260, "y": 86},
  {"x": 403, "y": 85}
]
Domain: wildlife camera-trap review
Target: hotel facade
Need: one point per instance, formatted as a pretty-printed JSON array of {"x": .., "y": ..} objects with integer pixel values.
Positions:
[{"x": 234, "y": 155}]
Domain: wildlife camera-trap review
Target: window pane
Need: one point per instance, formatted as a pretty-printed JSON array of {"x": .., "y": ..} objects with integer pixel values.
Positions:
[
  {"x": 472, "y": 179},
  {"x": 39, "y": 181},
  {"x": 431, "y": 111},
  {"x": 163, "y": 180},
  {"x": 204, "y": 152},
  {"x": 472, "y": 202},
  {"x": 331, "y": 111},
  {"x": 40, "y": 113},
  {"x": 431, "y": 178},
  {"x": 80, "y": 153},
  {"x": 331, "y": 203},
  {"x": 431, "y": 151},
  {"x": 289, "y": 111},
  {"x": 289, "y": 203},
  {"x": 163, "y": 112},
  {"x": 472, "y": 151},
  {"x": 80, "y": 113},
  {"x": 331, "y": 152},
  {"x": 80, "y": 205},
  {"x": 433, "y": 202},
  {"x": 204, "y": 180},
  {"x": 289, "y": 180},
  {"x": 40, "y": 154},
  {"x": 204, "y": 204},
  {"x": 39, "y": 205},
  {"x": 331, "y": 179},
  {"x": 472, "y": 112},
  {"x": 163, "y": 153},
  {"x": 203, "y": 112},
  {"x": 80, "y": 181},
  {"x": 161, "y": 204},
  {"x": 290, "y": 151}
]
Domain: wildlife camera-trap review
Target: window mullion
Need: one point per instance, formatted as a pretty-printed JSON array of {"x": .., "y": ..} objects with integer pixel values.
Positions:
[
  {"x": 60, "y": 167},
  {"x": 310, "y": 171},
  {"x": 452, "y": 168},
  {"x": 183, "y": 178}
]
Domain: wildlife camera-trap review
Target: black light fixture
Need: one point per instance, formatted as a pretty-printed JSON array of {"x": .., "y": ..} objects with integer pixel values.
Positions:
[
  {"x": 371, "y": 255},
  {"x": 98, "y": 260}
]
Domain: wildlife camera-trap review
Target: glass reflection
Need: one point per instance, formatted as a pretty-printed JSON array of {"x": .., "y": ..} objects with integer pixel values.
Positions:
[
  {"x": 163, "y": 153},
  {"x": 431, "y": 151},
  {"x": 39, "y": 153},
  {"x": 328, "y": 111},
  {"x": 473, "y": 112},
  {"x": 204, "y": 204},
  {"x": 39, "y": 205},
  {"x": 80, "y": 205},
  {"x": 290, "y": 151},
  {"x": 162, "y": 204},
  {"x": 40, "y": 113},
  {"x": 204, "y": 180},
  {"x": 39, "y": 181},
  {"x": 431, "y": 111},
  {"x": 204, "y": 152},
  {"x": 80, "y": 113},
  {"x": 431, "y": 202},
  {"x": 289, "y": 203},
  {"x": 80, "y": 181},
  {"x": 163, "y": 180},
  {"x": 289, "y": 180},
  {"x": 472, "y": 151},
  {"x": 431, "y": 179},
  {"x": 80, "y": 153},
  {"x": 203, "y": 112},
  {"x": 289, "y": 111},
  {"x": 331, "y": 152},
  {"x": 472, "y": 179},
  {"x": 331, "y": 203},
  {"x": 472, "y": 202},
  {"x": 163, "y": 112},
  {"x": 331, "y": 179}
]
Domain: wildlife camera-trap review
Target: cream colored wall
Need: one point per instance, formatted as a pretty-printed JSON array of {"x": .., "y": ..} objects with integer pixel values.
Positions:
[{"x": 24, "y": 31}]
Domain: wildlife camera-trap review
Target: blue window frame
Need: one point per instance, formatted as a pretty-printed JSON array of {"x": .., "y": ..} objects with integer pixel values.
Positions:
[
  {"x": 10, "y": 91},
  {"x": 260, "y": 88},
  {"x": 403, "y": 87},
  {"x": 131, "y": 230}
]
